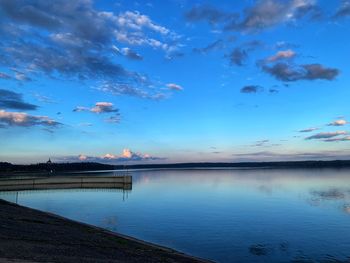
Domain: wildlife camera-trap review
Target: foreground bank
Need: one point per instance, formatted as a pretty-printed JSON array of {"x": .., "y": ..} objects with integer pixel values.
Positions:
[{"x": 34, "y": 236}]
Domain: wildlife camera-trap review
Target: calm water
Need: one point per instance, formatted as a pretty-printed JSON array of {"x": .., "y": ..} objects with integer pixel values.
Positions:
[{"x": 223, "y": 215}]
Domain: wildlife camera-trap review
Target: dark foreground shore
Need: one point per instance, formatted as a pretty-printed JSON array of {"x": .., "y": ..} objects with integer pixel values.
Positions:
[{"x": 28, "y": 235}]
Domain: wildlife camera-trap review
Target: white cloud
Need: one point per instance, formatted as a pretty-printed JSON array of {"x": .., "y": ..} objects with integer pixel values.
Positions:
[
  {"x": 338, "y": 139},
  {"x": 82, "y": 157},
  {"x": 127, "y": 52},
  {"x": 100, "y": 107},
  {"x": 137, "y": 21},
  {"x": 127, "y": 153},
  {"x": 113, "y": 119},
  {"x": 174, "y": 86},
  {"x": 326, "y": 135},
  {"x": 309, "y": 129},
  {"x": 131, "y": 90},
  {"x": 291, "y": 156},
  {"x": 126, "y": 156},
  {"x": 25, "y": 120},
  {"x": 284, "y": 54},
  {"x": 340, "y": 122},
  {"x": 133, "y": 29},
  {"x": 73, "y": 39},
  {"x": 4, "y": 76},
  {"x": 269, "y": 13},
  {"x": 21, "y": 76}
]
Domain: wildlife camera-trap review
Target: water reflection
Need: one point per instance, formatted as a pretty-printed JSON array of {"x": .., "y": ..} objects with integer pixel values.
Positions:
[
  {"x": 111, "y": 223},
  {"x": 23, "y": 195},
  {"x": 225, "y": 215},
  {"x": 346, "y": 208},
  {"x": 331, "y": 197},
  {"x": 260, "y": 249},
  {"x": 330, "y": 194}
]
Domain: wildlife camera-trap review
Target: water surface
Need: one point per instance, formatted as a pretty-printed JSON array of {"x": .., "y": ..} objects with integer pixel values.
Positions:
[{"x": 264, "y": 215}]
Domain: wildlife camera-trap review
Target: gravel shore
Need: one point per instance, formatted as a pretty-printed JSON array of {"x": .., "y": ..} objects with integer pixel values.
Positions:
[{"x": 28, "y": 235}]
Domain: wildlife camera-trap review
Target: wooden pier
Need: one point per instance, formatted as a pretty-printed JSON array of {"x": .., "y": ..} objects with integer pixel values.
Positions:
[{"x": 66, "y": 182}]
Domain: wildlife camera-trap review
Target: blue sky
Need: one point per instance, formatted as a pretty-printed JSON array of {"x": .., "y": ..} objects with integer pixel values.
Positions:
[{"x": 174, "y": 81}]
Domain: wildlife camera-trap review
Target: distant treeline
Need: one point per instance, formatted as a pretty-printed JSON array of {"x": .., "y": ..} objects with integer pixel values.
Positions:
[
  {"x": 90, "y": 166},
  {"x": 56, "y": 167}
]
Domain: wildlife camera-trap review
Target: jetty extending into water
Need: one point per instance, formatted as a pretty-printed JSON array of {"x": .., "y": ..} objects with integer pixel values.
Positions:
[{"x": 66, "y": 182}]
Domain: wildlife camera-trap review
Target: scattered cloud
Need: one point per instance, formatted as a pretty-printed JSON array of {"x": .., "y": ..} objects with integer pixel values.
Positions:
[
  {"x": 42, "y": 38},
  {"x": 173, "y": 86},
  {"x": 291, "y": 72},
  {"x": 100, "y": 107},
  {"x": 136, "y": 21},
  {"x": 81, "y": 108},
  {"x": 284, "y": 69},
  {"x": 216, "y": 45},
  {"x": 113, "y": 119},
  {"x": 309, "y": 129},
  {"x": 292, "y": 156},
  {"x": 129, "y": 53},
  {"x": 260, "y": 143},
  {"x": 13, "y": 100},
  {"x": 130, "y": 90},
  {"x": 49, "y": 130},
  {"x": 284, "y": 45},
  {"x": 126, "y": 156},
  {"x": 265, "y": 14},
  {"x": 261, "y": 15},
  {"x": 343, "y": 10},
  {"x": 251, "y": 89},
  {"x": 4, "y": 76},
  {"x": 85, "y": 124},
  {"x": 338, "y": 139},
  {"x": 209, "y": 14},
  {"x": 103, "y": 107},
  {"x": 20, "y": 76},
  {"x": 132, "y": 26},
  {"x": 326, "y": 135},
  {"x": 174, "y": 55},
  {"x": 264, "y": 143},
  {"x": 318, "y": 71},
  {"x": 25, "y": 120},
  {"x": 238, "y": 56},
  {"x": 82, "y": 157},
  {"x": 44, "y": 99},
  {"x": 340, "y": 122},
  {"x": 282, "y": 55}
]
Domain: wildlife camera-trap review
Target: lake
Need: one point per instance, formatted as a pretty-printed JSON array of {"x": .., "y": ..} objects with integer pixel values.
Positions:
[{"x": 226, "y": 215}]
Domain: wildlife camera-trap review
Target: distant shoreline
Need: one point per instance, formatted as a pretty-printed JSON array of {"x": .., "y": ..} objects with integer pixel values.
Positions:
[{"x": 44, "y": 168}]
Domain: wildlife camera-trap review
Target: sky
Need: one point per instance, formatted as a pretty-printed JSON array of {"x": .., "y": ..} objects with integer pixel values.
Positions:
[{"x": 174, "y": 80}]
